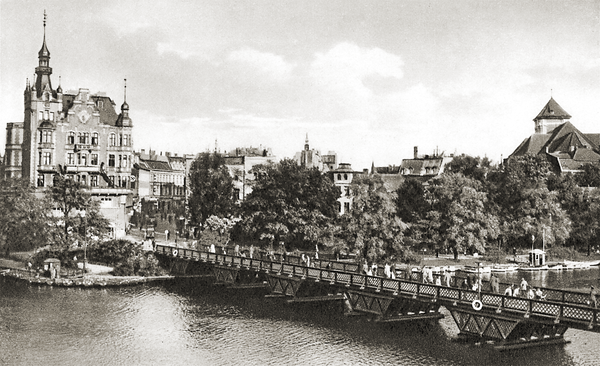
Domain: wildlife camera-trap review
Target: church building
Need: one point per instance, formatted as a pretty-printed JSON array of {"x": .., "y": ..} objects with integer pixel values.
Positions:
[
  {"x": 565, "y": 147},
  {"x": 76, "y": 134}
]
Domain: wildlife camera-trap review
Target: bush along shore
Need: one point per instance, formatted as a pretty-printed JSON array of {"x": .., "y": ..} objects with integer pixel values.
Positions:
[
  {"x": 125, "y": 263},
  {"x": 79, "y": 281}
]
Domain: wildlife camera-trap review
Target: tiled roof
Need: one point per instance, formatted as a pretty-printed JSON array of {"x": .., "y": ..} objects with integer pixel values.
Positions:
[
  {"x": 531, "y": 145},
  {"x": 566, "y": 147},
  {"x": 566, "y": 134},
  {"x": 552, "y": 111}
]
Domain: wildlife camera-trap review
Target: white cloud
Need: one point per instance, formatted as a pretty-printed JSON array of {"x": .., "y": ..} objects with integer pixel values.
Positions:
[
  {"x": 340, "y": 74},
  {"x": 267, "y": 63}
]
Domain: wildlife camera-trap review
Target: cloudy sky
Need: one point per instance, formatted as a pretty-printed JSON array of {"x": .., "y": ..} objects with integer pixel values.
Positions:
[{"x": 367, "y": 79}]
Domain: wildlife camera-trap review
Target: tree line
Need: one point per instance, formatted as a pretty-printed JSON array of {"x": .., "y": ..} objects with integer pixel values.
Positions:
[{"x": 472, "y": 207}]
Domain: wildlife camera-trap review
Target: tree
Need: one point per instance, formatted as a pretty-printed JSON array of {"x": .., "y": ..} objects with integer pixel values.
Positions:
[
  {"x": 590, "y": 176},
  {"x": 211, "y": 188},
  {"x": 411, "y": 203},
  {"x": 529, "y": 210},
  {"x": 80, "y": 220},
  {"x": 23, "y": 216},
  {"x": 472, "y": 167},
  {"x": 461, "y": 213},
  {"x": 582, "y": 205},
  {"x": 288, "y": 203},
  {"x": 372, "y": 227}
]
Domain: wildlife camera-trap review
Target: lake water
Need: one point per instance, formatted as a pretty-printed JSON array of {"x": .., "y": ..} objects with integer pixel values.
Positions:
[{"x": 184, "y": 323}]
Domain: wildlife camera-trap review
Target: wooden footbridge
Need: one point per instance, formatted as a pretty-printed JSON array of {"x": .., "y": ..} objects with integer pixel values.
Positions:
[{"x": 502, "y": 321}]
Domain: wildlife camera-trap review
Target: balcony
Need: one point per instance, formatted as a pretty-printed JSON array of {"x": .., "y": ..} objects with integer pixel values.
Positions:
[
  {"x": 83, "y": 169},
  {"x": 45, "y": 145}
]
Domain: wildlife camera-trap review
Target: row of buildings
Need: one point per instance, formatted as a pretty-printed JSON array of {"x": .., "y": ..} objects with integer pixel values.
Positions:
[{"x": 85, "y": 137}]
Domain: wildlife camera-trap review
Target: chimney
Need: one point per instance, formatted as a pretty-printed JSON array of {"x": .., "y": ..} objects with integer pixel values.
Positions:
[
  {"x": 143, "y": 151},
  {"x": 416, "y": 150}
]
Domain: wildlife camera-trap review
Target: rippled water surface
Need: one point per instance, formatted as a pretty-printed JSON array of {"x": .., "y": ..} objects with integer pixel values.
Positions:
[{"x": 185, "y": 323}]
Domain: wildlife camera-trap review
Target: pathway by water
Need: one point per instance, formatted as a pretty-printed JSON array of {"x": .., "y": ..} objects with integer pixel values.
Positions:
[{"x": 175, "y": 324}]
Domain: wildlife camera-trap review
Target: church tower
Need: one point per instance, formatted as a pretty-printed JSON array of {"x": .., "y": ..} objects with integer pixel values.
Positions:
[{"x": 550, "y": 117}]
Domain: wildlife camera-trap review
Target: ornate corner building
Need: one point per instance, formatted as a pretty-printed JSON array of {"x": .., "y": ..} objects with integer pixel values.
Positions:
[{"x": 75, "y": 134}]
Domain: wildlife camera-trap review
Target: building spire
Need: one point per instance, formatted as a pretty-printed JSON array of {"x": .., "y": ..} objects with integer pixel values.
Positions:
[
  {"x": 306, "y": 147},
  {"x": 125, "y": 106},
  {"x": 43, "y": 70}
]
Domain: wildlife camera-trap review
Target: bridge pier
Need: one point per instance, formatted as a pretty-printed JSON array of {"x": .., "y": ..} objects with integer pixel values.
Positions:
[
  {"x": 506, "y": 331},
  {"x": 392, "y": 308}
]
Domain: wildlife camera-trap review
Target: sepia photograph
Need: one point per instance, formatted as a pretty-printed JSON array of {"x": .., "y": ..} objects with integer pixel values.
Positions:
[{"x": 285, "y": 182}]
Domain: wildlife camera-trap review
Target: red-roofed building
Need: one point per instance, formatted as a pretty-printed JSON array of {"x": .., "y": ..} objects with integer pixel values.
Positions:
[{"x": 566, "y": 148}]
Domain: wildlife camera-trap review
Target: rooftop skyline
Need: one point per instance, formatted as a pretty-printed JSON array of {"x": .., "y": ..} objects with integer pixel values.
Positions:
[{"x": 367, "y": 79}]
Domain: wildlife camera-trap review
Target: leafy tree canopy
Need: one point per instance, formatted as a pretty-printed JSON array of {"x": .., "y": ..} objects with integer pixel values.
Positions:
[
  {"x": 81, "y": 221},
  {"x": 472, "y": 167},
  {"x": 372, "y": 227},
  {"x": 211, "y": 188},
  {"x": 460, "y": 210},
  {"x": 23, "y": 216},
  {"x": 288, "y": 203}
]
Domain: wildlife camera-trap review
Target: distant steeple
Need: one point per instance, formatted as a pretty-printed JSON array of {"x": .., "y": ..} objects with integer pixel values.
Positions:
[
  {"x": 44, "y": 70},
  {"x": 306, "y": 147},
  {"x": 125, "y": 106}
]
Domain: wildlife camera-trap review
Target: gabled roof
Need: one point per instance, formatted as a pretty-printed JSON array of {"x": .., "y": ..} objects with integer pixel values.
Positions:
[
  {"x": 552, "y": 110},
  {"x": 566, "y": 136}
]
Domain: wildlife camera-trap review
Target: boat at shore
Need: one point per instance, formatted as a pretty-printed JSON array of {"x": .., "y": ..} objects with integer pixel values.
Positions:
[
  {"x": 534, "y": 268},
  {"x": 504, "y": 267},
  {"x": 475, "y": 269},
  {"x": 579, "y": 265}
]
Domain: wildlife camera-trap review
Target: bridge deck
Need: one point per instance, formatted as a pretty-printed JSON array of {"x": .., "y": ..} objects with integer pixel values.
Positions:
[{"x": 567, "y": 307}]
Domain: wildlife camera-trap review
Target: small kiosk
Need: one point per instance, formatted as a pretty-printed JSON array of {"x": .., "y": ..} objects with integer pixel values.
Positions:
[
  {"x": 537, "y": 258},
  {"x": 52, "y": 268}
]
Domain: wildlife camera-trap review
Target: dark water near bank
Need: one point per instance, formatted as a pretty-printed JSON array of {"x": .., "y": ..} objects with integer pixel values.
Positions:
[{"x": 177, "y": 324}]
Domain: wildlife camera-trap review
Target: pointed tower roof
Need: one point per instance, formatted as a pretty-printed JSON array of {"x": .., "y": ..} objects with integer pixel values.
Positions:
[
  {"x": 44, "y": 50},
  {"x": 552, "y": 110},
  {"x": 43, "y": 71}
]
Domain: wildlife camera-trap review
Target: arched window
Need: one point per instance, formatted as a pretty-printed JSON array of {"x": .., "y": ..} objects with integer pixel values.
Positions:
[
  {"x": 71, "y": 138},
  {"x": 113, "y": 140},
  {"x": 345, "y": 176},
  {"x": 95, "y": 138},
  {"x": 339, "y": 177}
]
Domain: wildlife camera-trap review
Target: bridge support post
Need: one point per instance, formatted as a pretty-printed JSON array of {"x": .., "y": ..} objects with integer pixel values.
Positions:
[
  {"x": 284, "y": 285},
  {"x": 506, "y": 331},
  {"x": 225, "y": 274},
  {"x": 392, "y": 308}
]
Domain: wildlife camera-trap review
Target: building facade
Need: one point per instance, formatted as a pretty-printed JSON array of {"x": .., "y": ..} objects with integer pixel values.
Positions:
[
  {"x": 240, "y": 164},
  {"x": 342, "y": 177},
  {"x": 75, "y": 134}
]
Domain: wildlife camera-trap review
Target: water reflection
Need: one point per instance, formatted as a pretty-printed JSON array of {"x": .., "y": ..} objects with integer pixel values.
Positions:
[{"x": 187, "y": 323}]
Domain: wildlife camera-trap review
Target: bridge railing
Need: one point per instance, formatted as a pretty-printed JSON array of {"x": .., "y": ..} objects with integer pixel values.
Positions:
[{"x": 559, "y": 304}]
